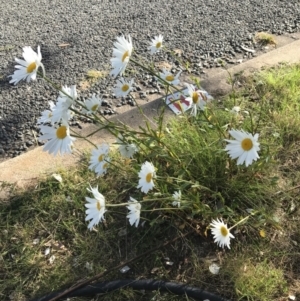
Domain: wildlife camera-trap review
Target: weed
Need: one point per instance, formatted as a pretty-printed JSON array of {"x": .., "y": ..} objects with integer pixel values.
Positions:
[{"x": 265, "y": 38}]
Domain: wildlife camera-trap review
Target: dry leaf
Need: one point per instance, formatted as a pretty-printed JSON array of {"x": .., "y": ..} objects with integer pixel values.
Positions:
[{"x": 262, "y": 233}]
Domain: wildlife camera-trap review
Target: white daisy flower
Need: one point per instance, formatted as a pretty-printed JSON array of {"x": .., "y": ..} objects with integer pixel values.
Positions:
[
  {"x": 47, "y": 114},
  {"x": 95, "y": 208},
  {"x": 146, "y": 176},
  {"x": 92, "y": 105},
  {"x": 61, "y": 111},
  {"x": 245, "y": 147},
  {"x": 177, "y": 198},
  {"x": 156, "y": 44},
  {"x": 100, "y": 160},
  {"x": 135, "y": 212},
  {"x": 28, "y": 68},
  {"x": 102, "y": 167},
  {"x": 59, "y": 139},
  {"x": 68, "y": 93},
  {"x": 221, "y": 233},
  {"x": 122, "y": 54},
  {"x": 123, "y": 87},
  {"x": 169, "y": 77},
  {"x": 127, "y": 150},
  {"x": 198, "y": 98}
]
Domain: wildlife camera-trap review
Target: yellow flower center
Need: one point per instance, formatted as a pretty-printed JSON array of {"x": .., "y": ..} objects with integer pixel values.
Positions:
[
  {"x": 158, "y": 45},
  {"x": 125, "y": 88},
  {"x": 125, "y": 56},
  {"x": 224, "y": 231},
  {"x": 169, "y": 78},
  {"x": 31, "y": 67},
  {"x": 101, "y": 158},
  {"x": 149, "y": 177},
  {"x": 195, "y": 97},
  {"x": 61, "y": 132},
  {"x": 94, "y": 108},
  {"x": 247, "y": 144},
  {"x": 50, "y": 115},
  {"x": 98, "y": 206}
]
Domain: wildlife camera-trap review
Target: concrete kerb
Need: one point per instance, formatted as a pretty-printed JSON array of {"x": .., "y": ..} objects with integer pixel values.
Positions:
[{"x": 25, "y": 170}]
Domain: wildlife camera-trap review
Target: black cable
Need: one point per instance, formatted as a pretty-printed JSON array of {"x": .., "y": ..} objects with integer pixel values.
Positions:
[{"x": 146, "y": 284}]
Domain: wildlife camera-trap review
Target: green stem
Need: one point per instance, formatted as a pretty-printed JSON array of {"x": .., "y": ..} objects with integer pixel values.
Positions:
[
  {"x": 239, "y": 222},
  {"x": 153, "y": 73},
  {"x": 79, "y": 136}
]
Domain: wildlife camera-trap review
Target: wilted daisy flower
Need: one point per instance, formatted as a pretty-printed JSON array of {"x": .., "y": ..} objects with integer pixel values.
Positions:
[
  {"x": 99, "y": 160},
  {"x": 156, "y": 44},
  {"x": 245, "y": 147},
  {"x": 135, "y": 211},
  {"x": 47, "y": 114},
  {"x": 169, "y": 77},
  {"x": 121, "y": 54},
  {"x": 95, "y": 208},
  {"x": 177, "y": 198},
  {"x": 27, "y": 69},
  {"x": 92, "y": 105},
  {"x": 61, "y": 111},
  {"x": 127, "y": 150},
  {"x": 221, "y": 233},
  {"x": 123, "y": 87},
  {"x": 198, "y": 98},
  {"x": 59, "y": 139},
  {"x": 146, "y": 176}
]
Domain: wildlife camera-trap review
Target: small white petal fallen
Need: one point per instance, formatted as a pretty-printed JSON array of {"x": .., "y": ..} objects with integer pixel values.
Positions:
[
  {"x": 214, "y": 268},
  {"x": 51, "y": 259},
  {"x": 125, "y": 269},
  {"x": 35, "y": 241},
  {"x": 57, "y": 177}
]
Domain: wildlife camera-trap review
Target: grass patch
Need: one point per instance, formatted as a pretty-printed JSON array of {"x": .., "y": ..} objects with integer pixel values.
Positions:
[
  {"x": 263, "y": 261},
  {"x": 265, "y": 38},
  {"x": 6, "y": 47},
  {"x": 258, "y": 281},
  {"x": 95, "y": 74},
  {"x": 92, "y": 76}
]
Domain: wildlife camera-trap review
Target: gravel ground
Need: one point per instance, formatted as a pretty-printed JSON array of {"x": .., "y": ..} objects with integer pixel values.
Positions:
[{"x": 77, "y": 35}]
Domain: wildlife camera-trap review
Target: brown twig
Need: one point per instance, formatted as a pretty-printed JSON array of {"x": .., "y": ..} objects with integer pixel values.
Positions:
[{"x": 96, "y": 277}]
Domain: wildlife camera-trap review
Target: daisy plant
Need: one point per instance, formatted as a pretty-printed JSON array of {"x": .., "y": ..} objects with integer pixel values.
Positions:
[{"x": 190, "y": 164}]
